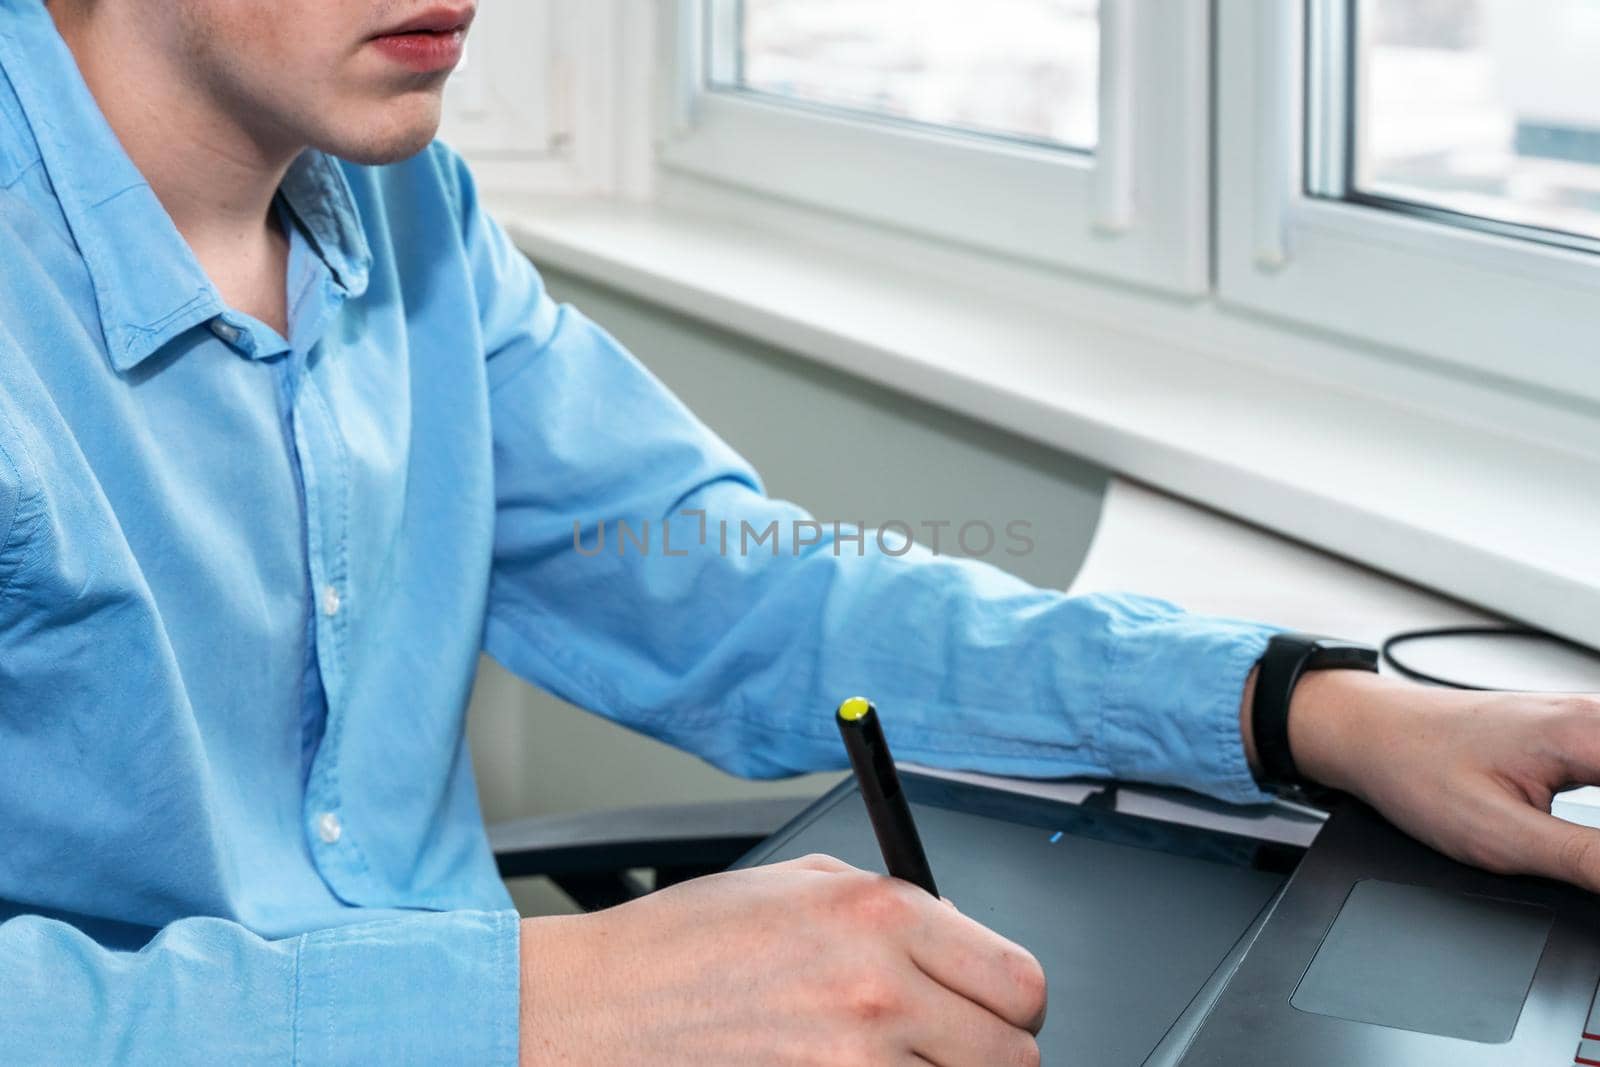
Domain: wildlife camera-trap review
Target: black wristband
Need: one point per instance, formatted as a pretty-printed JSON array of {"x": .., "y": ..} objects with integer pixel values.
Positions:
[{"x": 1287, "y": 657}]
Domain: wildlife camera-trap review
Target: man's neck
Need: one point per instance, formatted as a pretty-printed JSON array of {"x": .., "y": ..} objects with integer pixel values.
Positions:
[{"x": 215, "y": 176}]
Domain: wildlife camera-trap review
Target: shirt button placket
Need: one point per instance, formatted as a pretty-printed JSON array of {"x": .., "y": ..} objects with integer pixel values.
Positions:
[{"x": 326, "y": 827}]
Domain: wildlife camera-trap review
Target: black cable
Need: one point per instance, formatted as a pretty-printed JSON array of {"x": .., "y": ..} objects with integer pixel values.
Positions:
[{"x": 1395, "y": 640}]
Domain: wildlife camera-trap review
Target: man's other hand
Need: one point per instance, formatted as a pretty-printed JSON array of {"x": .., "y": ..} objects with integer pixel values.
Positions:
[
  {"x": 1470, "y": 773},
  {"x": 806, "y": 962}
]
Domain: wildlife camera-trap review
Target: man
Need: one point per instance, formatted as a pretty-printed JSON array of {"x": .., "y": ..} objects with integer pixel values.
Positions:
[{"x": 285, "y": 440}]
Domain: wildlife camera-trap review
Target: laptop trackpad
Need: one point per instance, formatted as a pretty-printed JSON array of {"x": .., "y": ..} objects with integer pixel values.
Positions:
[{"x": 1428, "y": 960}]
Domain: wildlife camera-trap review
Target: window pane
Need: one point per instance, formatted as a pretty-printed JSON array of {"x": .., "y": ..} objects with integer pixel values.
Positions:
[
  {"x": 1024, "y": 69},
  {"x": 1485, "y": 107}
]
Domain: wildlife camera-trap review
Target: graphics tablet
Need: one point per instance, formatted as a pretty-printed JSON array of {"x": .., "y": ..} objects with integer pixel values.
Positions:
[{"x": 1129, "y": 917}]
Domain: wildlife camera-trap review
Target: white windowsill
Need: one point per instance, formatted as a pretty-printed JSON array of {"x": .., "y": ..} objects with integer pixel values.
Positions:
[{"x": 1508, "y": 522}]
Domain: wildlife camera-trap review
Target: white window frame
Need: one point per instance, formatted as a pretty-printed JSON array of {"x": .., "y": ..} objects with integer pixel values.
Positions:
[
  {"x": 536, "y": 105},
  {"x": 1346, "y": 379},
  {"x": 1497, "y": 305},
  {"x": 1135, "y": 210}
]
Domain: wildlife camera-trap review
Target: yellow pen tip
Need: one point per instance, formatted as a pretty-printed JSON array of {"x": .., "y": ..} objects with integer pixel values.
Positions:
[{"x": 854, "y": 708}]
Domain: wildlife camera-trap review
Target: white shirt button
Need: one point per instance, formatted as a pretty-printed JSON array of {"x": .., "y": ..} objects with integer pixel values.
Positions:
[
  {"x": 328, "y": 827},
  {"x": 330, "y": 601},
  {"x": 228, "y": 333}
]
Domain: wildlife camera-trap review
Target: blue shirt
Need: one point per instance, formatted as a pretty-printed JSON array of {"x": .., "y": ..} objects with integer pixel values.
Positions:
[{"x": 245, "y": 579}]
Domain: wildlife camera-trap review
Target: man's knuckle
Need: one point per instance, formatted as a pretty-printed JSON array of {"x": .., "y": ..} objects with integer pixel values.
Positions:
[
  {"x": 1024, "y": 1053},
  {"x": 1585, "y": 705},
  {"x": 1576, "y": 854},
  {"x": 879, "y": 904},
  {"x": 872, "y": 998},
  {"x": 1028, "y": 977},
  {"x": 1579, "y": 712}
]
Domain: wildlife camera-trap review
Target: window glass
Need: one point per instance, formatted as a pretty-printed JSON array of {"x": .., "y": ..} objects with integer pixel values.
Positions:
[
  {"x": 1486, "y": 108},
  {"x": 1022, "y": 69}
]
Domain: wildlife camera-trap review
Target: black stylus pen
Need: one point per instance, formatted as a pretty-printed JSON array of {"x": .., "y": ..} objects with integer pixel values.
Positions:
[{"x": 880, "y": 788}]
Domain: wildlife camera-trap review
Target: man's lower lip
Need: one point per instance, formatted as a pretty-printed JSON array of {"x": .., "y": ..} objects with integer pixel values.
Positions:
[{"x": 423, "y": 51}]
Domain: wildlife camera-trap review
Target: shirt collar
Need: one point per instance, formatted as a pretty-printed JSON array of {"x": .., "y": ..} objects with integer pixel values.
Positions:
[
  {"x": 148, "y": 285},
  {"x": 318, "y": 193}
]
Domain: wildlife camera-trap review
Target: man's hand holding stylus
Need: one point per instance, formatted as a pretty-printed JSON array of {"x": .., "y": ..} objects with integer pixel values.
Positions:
[
  {"x": 806, "y": 962},
  {"x": 815, "y": 962}
]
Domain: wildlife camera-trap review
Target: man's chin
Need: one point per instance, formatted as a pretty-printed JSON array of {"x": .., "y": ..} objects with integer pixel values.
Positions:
[{"x": 385, "y": 140}]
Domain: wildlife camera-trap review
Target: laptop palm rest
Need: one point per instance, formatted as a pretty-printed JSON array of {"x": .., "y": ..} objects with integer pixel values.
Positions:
[
  {"x": 1381, "y": 951},
  {"x": 1425, "y": 959}
]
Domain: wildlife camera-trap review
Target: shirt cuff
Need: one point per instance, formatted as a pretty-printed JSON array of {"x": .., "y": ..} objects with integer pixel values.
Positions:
[
  {"x": 1171, "y": 705},
  {"x": 439, "y": 987}
]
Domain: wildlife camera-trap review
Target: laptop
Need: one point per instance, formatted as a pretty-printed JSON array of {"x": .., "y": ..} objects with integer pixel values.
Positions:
[
  {"x": 1383, "y": 951},
  {"x": 1168, "y": 945}
]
